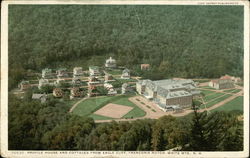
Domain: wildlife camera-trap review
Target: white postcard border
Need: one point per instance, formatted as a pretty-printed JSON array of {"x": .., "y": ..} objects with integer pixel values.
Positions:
[{"x": 38, "y": 153}]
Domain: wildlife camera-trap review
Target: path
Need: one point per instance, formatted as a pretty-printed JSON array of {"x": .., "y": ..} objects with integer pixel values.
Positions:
[{"x": 75, "y": 105}]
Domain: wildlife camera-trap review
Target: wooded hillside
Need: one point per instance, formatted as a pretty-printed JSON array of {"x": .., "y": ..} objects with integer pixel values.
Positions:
[{"x": 179, "y": 41}]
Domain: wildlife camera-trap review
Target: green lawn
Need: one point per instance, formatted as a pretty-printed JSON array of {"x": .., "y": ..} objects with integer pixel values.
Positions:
[
  {"x": 236, "y": 91},
  {"x": 99, "y": 117},
  {"x": 136, "y": 112},
  {"x": 69, "y": 103},
  {"x": 232, "y": 90},
  {"x": 212, "y": 96},
  {"x": 89, "y": 106},
  {"x": 206, "y": 87},
  {"x": 206, "y": 92},
  {"x": 229, "y": 90},
  {"x": 235, "y": 104},
  {"x": 125, "y": 80},
  {"x": 209, "y": 104},
  {"x": 115, "y": 72}
]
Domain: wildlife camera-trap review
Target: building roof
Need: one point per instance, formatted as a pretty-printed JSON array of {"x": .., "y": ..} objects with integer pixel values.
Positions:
[
  {"x": 42, "y": 80},
  {"x": 110, "y": 60},
  {"x": 226, "y": 77},
  {"x": 57, "y": 89},
  {"x": 25, "y": 82},
  {"x": 61, "y": 69},
  {"x": 177, "y": 94},
  {"x": 124, "y": 85},
  {"x": 126, "y": 71},
  {"x": 221, "y": 81},
  {"x": 94, "y": 67},
  {"x": 38, "y": 96},
  {"x": 145, "y": 65},
  {"x": 46, "y": 70},
  {"x": 164, "y": 87}
]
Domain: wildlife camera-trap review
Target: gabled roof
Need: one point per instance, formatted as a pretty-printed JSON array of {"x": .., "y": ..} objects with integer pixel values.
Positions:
[
  {"x": 94, "y": 67},
  {"x": 110, "y": 60},
  {"x": 125, "y": 71},
  {"x": 38, "y": 96},
  {"x": 226, "y": 77},
  {"x": 177, "y": 94}
]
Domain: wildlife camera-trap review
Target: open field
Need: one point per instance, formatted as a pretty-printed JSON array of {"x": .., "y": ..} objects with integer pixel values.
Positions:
[
  {"x": 212, "y": 96},
  {"x": 236, "y": 91},
  {"x": 235, "y": 104},
  {"x": 207, "y": 92},
  {"x": 99, "y": 117},
  {"x": 114, "y": 72},
  {"x": 215, "y": 101},
  {"x": 136, "y": 112},
  {"x": 89, "y": 106},
  {"x": 69, "y": 103},
  {"x": 113, "y": 110}
]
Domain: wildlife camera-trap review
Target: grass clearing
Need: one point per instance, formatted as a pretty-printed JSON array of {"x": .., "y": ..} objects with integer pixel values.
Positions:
[
  {"x": 70, "y": 103},
  {"x": 136, "y": 112},
  {"x": 87, "y": 107},
  {"x": 99, "y": 117},
  {"x": 206, "y": 87},
  {"x": 207, "y": 92},
  {"x": 212, "y": 96},
  {"x": 229, "y": 90},
  {"x": 115, "y": 72},
  {"x": 232, "y": 90},
  {"x": 236, "y": 90},
  {"x": 209, "y": 104},
  {"x": 235, "y": 104},
  {"x": 90, "y": 105}
]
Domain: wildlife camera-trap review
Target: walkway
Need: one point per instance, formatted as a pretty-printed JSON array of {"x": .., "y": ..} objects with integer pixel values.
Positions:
[{"x": 75, "y": 105}]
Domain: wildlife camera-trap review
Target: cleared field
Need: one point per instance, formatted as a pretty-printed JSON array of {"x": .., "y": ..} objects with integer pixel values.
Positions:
[
  {"x": 136, "y": 112},
  {"x": 69, "y": 103},
  {"x": 99, "y": 117},
  {"x": 235, "y": 104},
  {"x": 209, "y": 104},
  {"x": 206, "y": 87},
  {"x": 115, "y": 72},
  {"x": 207, "y": 92},
  {"x": 212, "y": 96},
  {"x": 229, "y": 90},
  {"x": 236, "y": 91},
  {"x": 113, "y": 110},
  {"x": 89, "y": 106},
  {"x": 232, "y": 90}
]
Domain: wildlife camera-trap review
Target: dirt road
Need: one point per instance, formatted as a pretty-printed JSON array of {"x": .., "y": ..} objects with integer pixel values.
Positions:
[{"x": 75, "y": 105}]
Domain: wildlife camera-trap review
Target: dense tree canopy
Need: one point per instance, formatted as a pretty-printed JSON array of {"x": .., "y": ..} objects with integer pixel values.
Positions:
[{"x": 179, "y": 41}]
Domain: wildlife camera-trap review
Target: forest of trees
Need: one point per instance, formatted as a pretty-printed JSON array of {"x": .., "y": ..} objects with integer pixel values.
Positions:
[
  {"x": 49, "y": 126},
  {"x": 178, "y": 41}
]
